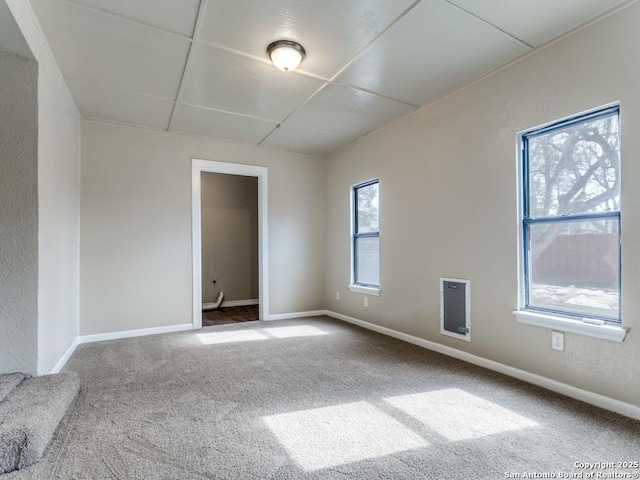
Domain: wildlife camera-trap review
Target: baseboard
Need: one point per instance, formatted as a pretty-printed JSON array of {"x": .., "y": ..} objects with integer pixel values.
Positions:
[
  {"x": 289, "y": 316},
  {"x": 100, "y": 337},
  {"x": 240, "y": 303},
  {"x": 65, "y": 358},
  {"x": 626, "y": 409}
]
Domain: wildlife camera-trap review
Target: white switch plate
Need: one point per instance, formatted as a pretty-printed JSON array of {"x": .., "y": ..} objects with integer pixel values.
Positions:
[
  {"x": 557, "y": 341},
  {"x": 366, "y": 302},
  {"x": 337, "y": 295}
]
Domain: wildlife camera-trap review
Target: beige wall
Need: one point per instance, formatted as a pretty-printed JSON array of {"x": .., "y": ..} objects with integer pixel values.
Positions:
[
  {"x": 448, "y": 207},
  {"x": 135, "y": 250},
  {"x": 229, "y": 206},
  {"x": 59, "y": 211}
]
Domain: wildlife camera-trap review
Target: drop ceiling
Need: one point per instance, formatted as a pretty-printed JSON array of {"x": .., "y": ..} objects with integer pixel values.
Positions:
[{"x": 200, "y": 66}]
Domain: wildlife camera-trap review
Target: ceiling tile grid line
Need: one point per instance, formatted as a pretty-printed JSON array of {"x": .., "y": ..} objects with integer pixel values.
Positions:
[
  {"x": 308, "y": 99},
  {"x": 264, "y": 139},
  {"x": 187, "y": 64},
  {"x": 515, "y": 37},
  {"x": 78, "y": 80},
  {"x": 226, "y": 112},
  {"x": 203, "y": 135},
  {"x": 102, "y": 119},
  {"x": 373, "y": 40},
  {"x": 126, "y": 18},
  {"x": 372, "y": 92}
]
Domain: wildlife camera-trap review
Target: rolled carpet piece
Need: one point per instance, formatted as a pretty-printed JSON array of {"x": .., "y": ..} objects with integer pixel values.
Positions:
[
  {"x": 9, "y": 381},
  {"x": 29, "y": 416}
]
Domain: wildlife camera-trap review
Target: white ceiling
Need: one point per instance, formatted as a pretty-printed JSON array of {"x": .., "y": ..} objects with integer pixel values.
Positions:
[{"x": 200, "y": 66}]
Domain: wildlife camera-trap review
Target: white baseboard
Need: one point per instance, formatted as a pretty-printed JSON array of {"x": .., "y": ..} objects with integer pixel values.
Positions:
[
  {"x": 240, "y": 303},
  {"x": 289, "y": 316},
  {"x": 65, "y": 358},
  {"x": 626, "y": 409},
  {"x": 133, "y": 333}
]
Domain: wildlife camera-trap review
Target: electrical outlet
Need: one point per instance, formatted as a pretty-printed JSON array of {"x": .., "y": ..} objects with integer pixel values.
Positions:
[
  {"x": 366, "y": 301},
  {"x": 337, "y": 295},
  {"x": 557, "y": 341}
]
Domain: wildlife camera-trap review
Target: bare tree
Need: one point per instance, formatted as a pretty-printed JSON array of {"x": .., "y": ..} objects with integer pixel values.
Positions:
[
  {"x": 368, "y": 215},
  {"x": 575, "y": 170}
]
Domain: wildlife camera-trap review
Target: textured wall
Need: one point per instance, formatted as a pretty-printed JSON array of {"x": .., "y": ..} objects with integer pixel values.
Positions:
[
  {"x": 18, "y": 214},
  {"x": 135, "y": 226},
  {"x": 58, "y": 200},
  {"x": 448, "y": 207},
  {"x": 229, "y": 236}
]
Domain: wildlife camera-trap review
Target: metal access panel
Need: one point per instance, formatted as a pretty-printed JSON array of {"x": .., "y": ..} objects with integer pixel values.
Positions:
[{"x": 455, "y": 308}]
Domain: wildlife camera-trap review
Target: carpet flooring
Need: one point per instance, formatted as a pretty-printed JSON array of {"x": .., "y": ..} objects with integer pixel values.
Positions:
[
  {"x": 222, "y": 316},
  {"x": 316, "y": 399}
]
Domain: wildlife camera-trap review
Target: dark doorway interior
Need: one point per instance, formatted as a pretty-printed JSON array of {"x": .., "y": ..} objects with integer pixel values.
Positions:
[{"x": 225, "y": 315}]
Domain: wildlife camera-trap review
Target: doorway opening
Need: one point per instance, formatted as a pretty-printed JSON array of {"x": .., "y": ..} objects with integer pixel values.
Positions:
[{"x": 218, "y": 270}]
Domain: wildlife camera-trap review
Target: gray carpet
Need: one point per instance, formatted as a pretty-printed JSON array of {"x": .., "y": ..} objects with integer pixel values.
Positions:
[{"x": 314, "y": 399}]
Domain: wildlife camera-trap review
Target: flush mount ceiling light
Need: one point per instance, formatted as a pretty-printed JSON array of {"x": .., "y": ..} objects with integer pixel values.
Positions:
[{"x": 285, "y": 54}]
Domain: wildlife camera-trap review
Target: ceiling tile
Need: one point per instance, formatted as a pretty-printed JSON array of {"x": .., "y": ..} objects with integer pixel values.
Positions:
[
  {"x": 95, "y": 48},
  {"x": 201, "y": 121},
  {"x": 122, "y": 107},
  {"x": 331, "y": 31},
  {"x": 536, "y": 25},
  {"x": 340, "y": 109},
  {"x": 432, "y": 51},
  {"x": 306, "y": 140},
  {"x": 226, "y": 81},
  {"x": 177, "y": 16}
]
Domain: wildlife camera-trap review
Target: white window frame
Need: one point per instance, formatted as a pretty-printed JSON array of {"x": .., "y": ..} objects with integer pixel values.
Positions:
[
  {"x": 553, "y": 320},
  {"x": 353, "y": 286}
]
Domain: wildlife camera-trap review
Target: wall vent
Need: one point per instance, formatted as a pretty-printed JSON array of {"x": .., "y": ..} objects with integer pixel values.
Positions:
[{"x": 455, "y": 308}]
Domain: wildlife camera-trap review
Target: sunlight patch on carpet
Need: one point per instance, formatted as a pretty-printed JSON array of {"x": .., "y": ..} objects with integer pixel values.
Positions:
[
  {"x": 296, "y": 331},
  {"x": 338, "y": 435},
  {"x": 213, "y": 338},
  {"x": 458, "y": 415}
]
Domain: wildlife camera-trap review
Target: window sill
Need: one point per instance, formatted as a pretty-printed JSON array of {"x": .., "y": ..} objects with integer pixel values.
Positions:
[
  {"x": 606, "y": 332},
  {"x": 366, "y": 290}
]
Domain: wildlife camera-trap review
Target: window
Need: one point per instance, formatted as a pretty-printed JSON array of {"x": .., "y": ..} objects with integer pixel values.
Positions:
[
  {"x": 366, "y": 236},
  {"x": 571, "y": 218}
]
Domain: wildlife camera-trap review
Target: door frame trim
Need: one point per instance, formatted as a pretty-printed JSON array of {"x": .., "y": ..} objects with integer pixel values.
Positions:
[{"x": 197, "y": 167}]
